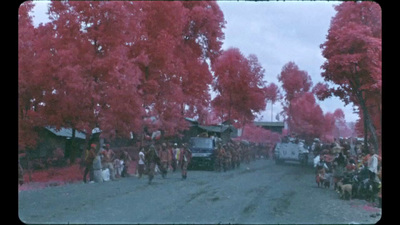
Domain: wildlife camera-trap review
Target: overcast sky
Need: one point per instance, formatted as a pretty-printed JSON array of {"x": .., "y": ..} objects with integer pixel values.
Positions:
[
  {"x": 276, "y": 32},
  {"x": 279, "y": 32}
]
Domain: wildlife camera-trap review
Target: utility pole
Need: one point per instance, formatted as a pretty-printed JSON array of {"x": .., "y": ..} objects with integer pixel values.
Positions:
[{"x": 272, "y": 108}]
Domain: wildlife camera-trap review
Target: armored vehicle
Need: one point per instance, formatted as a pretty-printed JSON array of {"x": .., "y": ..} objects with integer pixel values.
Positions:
[{"x": 290, "y": 151}]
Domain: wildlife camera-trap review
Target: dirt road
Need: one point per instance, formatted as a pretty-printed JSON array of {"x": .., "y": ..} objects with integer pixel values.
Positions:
[{"x": 260, "y": 192}]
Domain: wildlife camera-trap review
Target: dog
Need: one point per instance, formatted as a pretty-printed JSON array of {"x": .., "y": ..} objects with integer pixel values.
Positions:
[
  {"x": 319, "y": 180},
  {"x": 344, "y": 188},
  {"x": 323, "y": 179},
  {"x": 320, "y": 177},
  {"x": 327, "y": 180}
]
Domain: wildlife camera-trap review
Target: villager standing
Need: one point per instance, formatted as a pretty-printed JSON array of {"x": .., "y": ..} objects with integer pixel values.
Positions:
[
  {"x": 90, "y": 154},
  {"x": 108, "y": 160},
  {"x": 97, "y": 176},
  {"x": 141, "y": 163},
  {"x": 373, "y": 165},
  {"x": 126, "y": 158},
  {"x": 184, "y": 159}
]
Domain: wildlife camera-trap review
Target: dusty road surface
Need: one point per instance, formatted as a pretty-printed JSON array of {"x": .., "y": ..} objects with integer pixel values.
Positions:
[{"x": 260, "y": 192}]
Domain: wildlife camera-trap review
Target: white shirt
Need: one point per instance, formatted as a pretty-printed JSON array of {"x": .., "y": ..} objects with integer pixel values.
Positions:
[
  {"x": 141, "y": 158},
  {"x": 373, "y": 163},
  {"x": 316, "y": 160}
]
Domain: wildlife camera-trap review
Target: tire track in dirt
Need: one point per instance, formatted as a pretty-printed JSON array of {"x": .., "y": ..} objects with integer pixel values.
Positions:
[{"x": 282, "y": 203}]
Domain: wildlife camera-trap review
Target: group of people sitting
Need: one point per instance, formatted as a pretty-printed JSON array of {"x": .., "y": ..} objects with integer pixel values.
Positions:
[
  {"x": 352, "y": 173},
  {"x": 102, "y": 164}
]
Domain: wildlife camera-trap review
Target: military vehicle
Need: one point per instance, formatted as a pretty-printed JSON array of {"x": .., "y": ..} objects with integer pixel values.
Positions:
[
  {"x": 291, "y": 151},
  {"x": 202, "y": 149}
]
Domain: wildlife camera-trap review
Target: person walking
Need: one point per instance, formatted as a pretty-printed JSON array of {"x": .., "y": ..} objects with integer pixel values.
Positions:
[
  {"x": 165, "y": 160},
  {"x": 220, "y": 157},
  {"x": 173, "y": 151},
  {"x": 141, "y": 163},
  {"x": 151, "y": 161},
  {"x": 90, "y": 154},
  {"x": 184, "y": 160},
  {"x": 227, "y": 158}
]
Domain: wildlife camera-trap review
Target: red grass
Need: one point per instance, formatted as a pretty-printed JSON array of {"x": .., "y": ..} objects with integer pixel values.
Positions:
[
  {"x": 52, "y": 176},
  {"x": 58, "y": 176}
]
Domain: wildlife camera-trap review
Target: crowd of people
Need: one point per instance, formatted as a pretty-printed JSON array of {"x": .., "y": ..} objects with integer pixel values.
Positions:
[
  {"x": 232, "y": 154},
  {"x": 163, "y": 158},
  {"x": 355, "y": 172},
  {"x": 97, "y": 160},
  {"x": 154, "y": 158}
]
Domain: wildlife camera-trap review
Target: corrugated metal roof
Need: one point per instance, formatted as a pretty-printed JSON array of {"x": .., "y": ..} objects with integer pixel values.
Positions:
[
  {"x": 269, "y": 124},
  {"x": 216, "y": 129},
  {"x": 66, "y": 132}
]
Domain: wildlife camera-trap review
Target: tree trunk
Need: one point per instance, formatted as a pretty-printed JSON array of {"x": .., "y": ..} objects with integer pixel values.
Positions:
[
  {"x": 368, "y": 122},
  {"x": 355, "y": 84},
  {"x": 73, "y": 149},
  {"x": 290, "y": 119},
  {"x": 365, "y": 150},
  {"x": 272, "y": 108}
]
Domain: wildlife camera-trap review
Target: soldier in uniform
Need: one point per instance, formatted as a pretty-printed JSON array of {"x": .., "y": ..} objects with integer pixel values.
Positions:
[
  {"x": 173, "y": 151},
  {"x": 184, "y": 160},
  {"x": 165, "y": 158},
  {"x": 235, "y": 157},
  {"x": 227, "y": 158},
  {"x": 247, "y": 154},
  {"x": 220, "y": 157},
  {"x": 236, "y": 148},
  {"x": 151, "y": 161},
  {"x": 216, "y": 161}
]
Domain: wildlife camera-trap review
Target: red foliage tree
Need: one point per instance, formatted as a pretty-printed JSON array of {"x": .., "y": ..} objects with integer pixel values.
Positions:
[
  {"x": 29, "y": 86},
  {"x": 259, "y": 135},
  {"x": 93, "y": 80},
  {"x": 354, "y": 59},
  {"x": 119, "y": 66},
  {"x": 342, "y": 130},
  {"x": 273, "y": 94},
  {"x": 308, "y": 119},
  {"x": 241, "y": 90},
  {"x": 177, "y": 50},
  {"x": 329, "y": 127},
  {"x": 322, "y": 91},
  {"x": 295, "y": 83}
]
